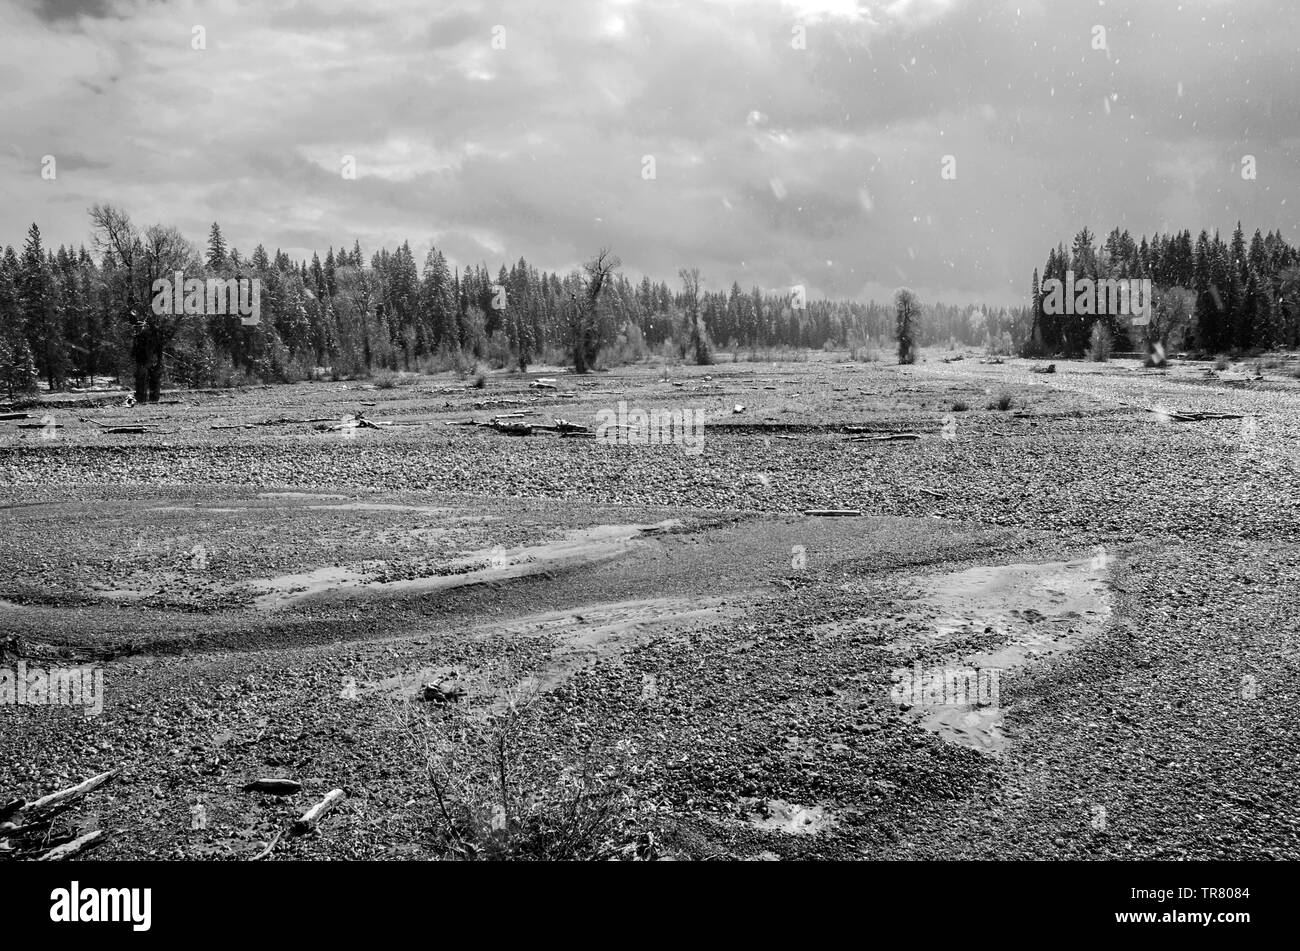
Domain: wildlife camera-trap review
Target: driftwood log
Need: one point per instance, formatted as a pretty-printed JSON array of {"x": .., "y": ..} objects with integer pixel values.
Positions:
[
  {"x": 65, "y": 797},
  {"x": 69, "y": 849},
  {"x": 276, "y": 787},
  {"x": 28, "y": 828},
  {"x": 318, "y": 812}
]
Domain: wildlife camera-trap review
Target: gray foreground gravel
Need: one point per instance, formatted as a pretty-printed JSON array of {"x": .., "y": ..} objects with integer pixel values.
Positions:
[{"x": 725, "y": 688}]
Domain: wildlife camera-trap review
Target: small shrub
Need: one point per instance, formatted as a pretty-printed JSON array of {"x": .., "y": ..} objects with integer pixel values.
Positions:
[
  {"x": 493, "y": 797},
  {"x": 1003, "y": 402},
  {"x": 862, "y": 349},
  {"x": 1221, "y": 362},
  {"x": 960, "y": 406}
]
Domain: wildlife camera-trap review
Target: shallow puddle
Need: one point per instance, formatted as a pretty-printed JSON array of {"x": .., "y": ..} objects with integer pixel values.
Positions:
[
  {"x": 1027, "y": 611},
  {"x": 775, "y": 815}
]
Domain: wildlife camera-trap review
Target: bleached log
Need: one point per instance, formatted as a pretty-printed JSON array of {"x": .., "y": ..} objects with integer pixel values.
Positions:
[
  {"x": 69, "y": 849},
  {"x": 63, "y": 796},
  {"x": 318, "y": 811}
]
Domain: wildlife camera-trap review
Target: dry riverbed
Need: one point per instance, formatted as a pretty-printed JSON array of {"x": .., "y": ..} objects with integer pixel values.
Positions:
[{"x": 267, "y": 599}]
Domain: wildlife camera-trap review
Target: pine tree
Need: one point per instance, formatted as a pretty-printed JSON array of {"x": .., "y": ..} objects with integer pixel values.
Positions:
[
  {"x": 217, "y": 258},
  {"x": 1207, "y": 314},
  {"x": 261, "y": 263},
  {"x": 41, "y": 325},
  {"x": 1035, "y": 342},
  {"x": 17, "y": 368}
]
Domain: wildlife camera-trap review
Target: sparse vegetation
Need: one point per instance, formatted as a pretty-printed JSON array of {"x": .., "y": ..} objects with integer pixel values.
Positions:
[{"x": 492, "y": 801}]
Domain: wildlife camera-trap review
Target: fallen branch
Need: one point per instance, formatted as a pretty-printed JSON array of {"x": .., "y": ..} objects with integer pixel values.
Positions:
[
  {"x": 356, "y": 422},
  {"x": 828, "y": 512},
  {"x": 276, "y": 787},
  {"x": 69, "y": 849},
  {"x": 512, "y": 429},
  {"x": 64, "y": 796},
  {"x": 1192, "y": 417},
  {"x": 129, "y": 428},
  {"x": 564, "y": 427},
  {"x": 269, "y": 846},
  {"x": 891, "y": 437},
  {"x": 317, "y": 812}
]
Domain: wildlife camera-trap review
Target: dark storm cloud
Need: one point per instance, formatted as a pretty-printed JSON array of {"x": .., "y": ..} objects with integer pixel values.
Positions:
[{"x": 55, "y": 10}]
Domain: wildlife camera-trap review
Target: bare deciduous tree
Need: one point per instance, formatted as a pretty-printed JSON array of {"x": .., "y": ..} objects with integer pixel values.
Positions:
[
  {"x": 584, "y": 314},
  {"x": 146, "y": 257},
  {"x": 907, "y": 310},
  {"x": 699, "y": 333},
  {"x": 1170, "y": 317}
]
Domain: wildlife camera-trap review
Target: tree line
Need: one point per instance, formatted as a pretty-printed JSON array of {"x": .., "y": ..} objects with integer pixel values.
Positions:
[
  {"x": 69, "y": 317},
  {"x": 1210, "y": 296}
]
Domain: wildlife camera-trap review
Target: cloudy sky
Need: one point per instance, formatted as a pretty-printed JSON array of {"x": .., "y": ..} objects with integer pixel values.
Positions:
[{"x": 767, "y": 141}]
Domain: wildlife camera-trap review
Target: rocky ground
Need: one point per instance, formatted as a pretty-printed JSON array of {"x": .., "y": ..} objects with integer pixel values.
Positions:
[{"x": 267, "y": 598}]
